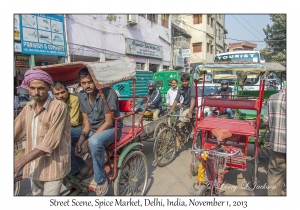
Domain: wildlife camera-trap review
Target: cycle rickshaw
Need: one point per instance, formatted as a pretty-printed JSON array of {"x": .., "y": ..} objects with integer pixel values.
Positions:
[
  {"x": 127, "y": 168},
  {"x": 223, "y": 143}
]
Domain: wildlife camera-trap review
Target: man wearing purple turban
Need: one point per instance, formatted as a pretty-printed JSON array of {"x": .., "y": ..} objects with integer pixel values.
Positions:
[{"x": 45, "y": 123}]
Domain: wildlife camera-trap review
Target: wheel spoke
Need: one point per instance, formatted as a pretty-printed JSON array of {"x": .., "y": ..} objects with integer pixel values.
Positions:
[{"x": 132, "y": 182}]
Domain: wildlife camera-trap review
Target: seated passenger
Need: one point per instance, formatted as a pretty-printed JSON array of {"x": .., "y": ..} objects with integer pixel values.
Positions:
[
  {"x": 60, "y": 92},
  {"x": 272, "y": 86},
  {"x": 96, "y": 133},
  {"x": 155, "y": 100},
  {"x": 225, "y": 92}
]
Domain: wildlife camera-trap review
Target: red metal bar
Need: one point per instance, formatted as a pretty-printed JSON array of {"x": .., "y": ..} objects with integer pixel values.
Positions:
[
  {"x": 133, "y": 99},
  {"x": 197, "y": 111},
  {"x": 202, "y": 98}
]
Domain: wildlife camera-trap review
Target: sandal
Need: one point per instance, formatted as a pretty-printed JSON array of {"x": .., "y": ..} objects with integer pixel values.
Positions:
[
  {"x": 82, "y": 176},
  {"x": 102, "y": 189}
]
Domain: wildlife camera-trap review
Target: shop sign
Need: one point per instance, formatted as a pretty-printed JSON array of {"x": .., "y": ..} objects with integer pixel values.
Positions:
[
  {"x": 17, "y": 27},
  {"x": 43, "y": 34},
  {"x": 186, "y": 53},
  {"x": 135, "y": 47},
  {"x": 178, "y": 61},
  {"x": 17, "y": 47}
]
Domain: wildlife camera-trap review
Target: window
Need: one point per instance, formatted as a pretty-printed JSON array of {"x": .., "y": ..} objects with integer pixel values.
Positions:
[
  {"x": 165, "y": 21},
  {"x": 142, "y": 15},
  {"x": 211, "y": 49},
  {"x": 219, "y": 34},
  {"x": 211, "y": 22},
  {"x": 197, "y": 19},
  {"x": 208, "y": 20},
  {"x": 207, "y": 47},
  {"x": 197, "y": 47},
  {"x": 160, "y": 83},
  {"x": 152, "y": 18}
]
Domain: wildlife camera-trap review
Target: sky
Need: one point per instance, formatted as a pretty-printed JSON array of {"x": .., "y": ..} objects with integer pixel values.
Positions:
[{"x": 237, "y": 26}]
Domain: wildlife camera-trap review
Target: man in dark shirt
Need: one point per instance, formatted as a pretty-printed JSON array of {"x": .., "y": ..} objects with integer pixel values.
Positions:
[
  {"x": 187, "y": 91},
  {"x": 96, "y": 133},
  {"x": 225, "y": 92},
  {"x": 155, "y": 101}
]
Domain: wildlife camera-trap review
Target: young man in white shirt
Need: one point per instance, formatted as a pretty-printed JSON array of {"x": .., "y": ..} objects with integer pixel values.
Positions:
[{"x": 171, "y": 95}]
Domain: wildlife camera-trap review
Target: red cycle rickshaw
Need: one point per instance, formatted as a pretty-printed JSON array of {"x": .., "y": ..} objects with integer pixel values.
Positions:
[
  {"x": 221, "y": 145},
  {"x": 127, "y": 168}
]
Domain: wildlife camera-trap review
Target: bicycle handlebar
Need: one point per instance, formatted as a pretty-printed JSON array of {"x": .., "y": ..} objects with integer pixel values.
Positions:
[{"x": 215, "y": 153}]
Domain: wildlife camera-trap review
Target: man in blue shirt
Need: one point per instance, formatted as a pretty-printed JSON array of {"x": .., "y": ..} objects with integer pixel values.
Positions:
[{"x": 96, "y": 133}]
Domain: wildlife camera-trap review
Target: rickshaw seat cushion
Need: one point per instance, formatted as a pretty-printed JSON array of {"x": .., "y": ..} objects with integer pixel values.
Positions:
[
  {"x": 221, "y": 133},
  {"x": 147, "y": 114},
  {"x": 231, "y": 103},
  {"x": 125, "y": 105},
  {"x": 240, "y": 127},
  {"x": 127, "y": 135}
]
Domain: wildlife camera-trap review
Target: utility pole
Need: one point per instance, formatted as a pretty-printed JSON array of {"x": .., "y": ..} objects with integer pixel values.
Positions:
[{"x": 67, "y": 40}]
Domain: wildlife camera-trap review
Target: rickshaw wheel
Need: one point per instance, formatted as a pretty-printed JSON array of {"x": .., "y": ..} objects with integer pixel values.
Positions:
[
  {"x": 254, "y": 172},
  {"x": 17, "y": 187},
  {"x": 194, "y": 167},
  {"x": 164, "y": 147},
  {"x": 204, "y": 190},
  {"x": 158, "y": 128},
  {"x": 194, "y": 164},
  {"x": 132, "y": 176}
]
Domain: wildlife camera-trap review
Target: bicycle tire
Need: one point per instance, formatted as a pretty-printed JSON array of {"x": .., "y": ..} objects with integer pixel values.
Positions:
[
  {"x": 126, "y": 178},
  {"x": 161, "y": 143}
]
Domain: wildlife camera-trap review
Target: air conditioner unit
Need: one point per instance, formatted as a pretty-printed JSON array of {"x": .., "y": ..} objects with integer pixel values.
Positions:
[{"x": 132, "y": 19}]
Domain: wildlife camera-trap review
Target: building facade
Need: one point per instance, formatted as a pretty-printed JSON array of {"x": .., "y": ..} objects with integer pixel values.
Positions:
[
  {"x": 181, "y": 44},
  {"x": 241, "y": 46},
  {"x": 146, "y": 38},
  {"x": 207, "y": 37}
]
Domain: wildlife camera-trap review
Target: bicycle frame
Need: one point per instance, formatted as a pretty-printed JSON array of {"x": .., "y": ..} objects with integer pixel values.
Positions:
[{"x": 219, "y": 160}]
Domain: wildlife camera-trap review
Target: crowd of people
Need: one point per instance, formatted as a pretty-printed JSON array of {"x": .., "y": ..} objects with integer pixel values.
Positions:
[{"x": 62, "y": 127}]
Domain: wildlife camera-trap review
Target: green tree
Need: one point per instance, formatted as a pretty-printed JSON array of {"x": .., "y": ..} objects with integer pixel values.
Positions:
[{"x": 276, "y": 40}]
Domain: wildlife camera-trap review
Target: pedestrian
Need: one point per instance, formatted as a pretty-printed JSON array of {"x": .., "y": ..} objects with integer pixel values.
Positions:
[
  {"x": 45, "y": 123},
  {"x": 16, "y": 101},
  {"x": 171, "y": 95},
  {"x": 275, "y": 118},
  {"x": 50, "y": 94}
]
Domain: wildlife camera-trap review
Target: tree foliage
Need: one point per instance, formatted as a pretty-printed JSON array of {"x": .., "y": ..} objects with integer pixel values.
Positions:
[{"x": 276, "y": 40}]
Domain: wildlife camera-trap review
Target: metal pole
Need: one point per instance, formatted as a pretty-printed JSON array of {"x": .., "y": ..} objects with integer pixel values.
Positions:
[
  {"x": 31, "y": 61},
  {"x": 67, "y": 40}
]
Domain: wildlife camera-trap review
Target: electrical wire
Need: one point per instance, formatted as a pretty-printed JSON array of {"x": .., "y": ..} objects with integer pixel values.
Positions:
[
  {"x": 227, "y": 37},
  {"x": 244, "y": 26},
  {"x": 252, "y": 26}
]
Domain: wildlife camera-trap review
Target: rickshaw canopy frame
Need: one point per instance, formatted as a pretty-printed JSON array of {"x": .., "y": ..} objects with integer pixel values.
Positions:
[{"x": 104, "y": 74}]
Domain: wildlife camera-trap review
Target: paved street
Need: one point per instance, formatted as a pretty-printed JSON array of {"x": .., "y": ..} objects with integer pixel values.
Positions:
[{"x": 174, "y": 179}]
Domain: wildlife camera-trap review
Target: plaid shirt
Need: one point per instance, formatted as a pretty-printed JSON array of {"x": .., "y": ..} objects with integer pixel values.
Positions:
[{"x": 275, "y": 115}]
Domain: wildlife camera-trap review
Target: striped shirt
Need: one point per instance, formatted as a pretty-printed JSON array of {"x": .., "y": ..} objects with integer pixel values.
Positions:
[
  {"x": 275, "y": 115},
  {"x": 52, "y": 134}
]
